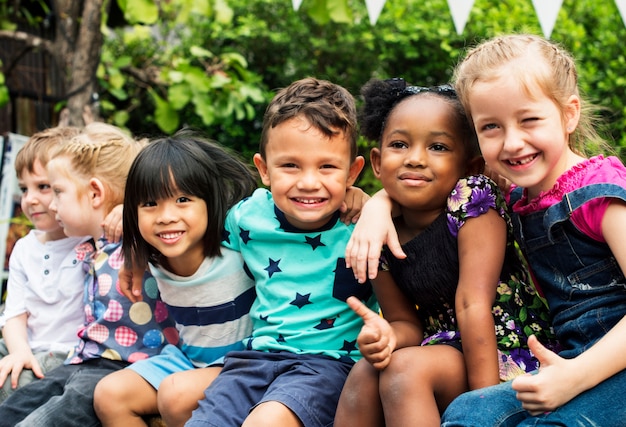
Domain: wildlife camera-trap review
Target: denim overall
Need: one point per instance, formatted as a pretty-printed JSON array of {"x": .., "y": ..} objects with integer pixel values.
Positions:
[{"x": 586, "y": 292}]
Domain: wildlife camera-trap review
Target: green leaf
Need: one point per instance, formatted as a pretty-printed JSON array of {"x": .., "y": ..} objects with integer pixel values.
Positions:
[
  {"x": 200, "y": 52},
  {"x": 339, "y": 11},
  {"x": 204, "y": 108},
  {"x": 4, "y": 96},
  {"x": 223, "y": 13},
  {"x": 139, "y": 11},
  {"x": 164, "y": 115},
  {"x": 179, "y": 95}
]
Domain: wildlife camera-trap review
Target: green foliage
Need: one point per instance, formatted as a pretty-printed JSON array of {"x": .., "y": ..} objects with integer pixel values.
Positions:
[{"x": 218, "y": 62}]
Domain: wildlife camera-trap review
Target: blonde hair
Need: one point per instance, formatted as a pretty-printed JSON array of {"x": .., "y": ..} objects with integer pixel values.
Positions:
[
  {"x": 104, "y": 152},
  {"x": 553, "y": 71},
  {"x": 40, "y": 147}
]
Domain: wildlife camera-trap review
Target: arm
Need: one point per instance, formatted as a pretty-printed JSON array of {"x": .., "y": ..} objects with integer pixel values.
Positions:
[
  {"x": 112, "y": 224},
  {"x": 20, "y": 354},
  {"x": 374, "y": 228},
  {"x": 560, "y": 380},
  {"x": 482, "y": 245},
  {"x": 353, "y": 204}
]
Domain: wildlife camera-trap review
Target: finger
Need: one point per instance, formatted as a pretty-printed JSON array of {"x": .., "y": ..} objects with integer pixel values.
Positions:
[
  {"x": 36, "y": 368},
  {"x": 15, "y": 376},
  {"x": 361, "y": 310},
  {"x": 543, "y": 355}
]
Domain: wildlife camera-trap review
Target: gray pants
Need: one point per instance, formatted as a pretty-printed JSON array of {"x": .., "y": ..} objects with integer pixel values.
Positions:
[{"x": 47, "y": 361}]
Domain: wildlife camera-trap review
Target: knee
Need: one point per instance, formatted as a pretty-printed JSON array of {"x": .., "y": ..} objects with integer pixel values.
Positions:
[
  {"x": 173, "y": 408},
  {"x": 106, "y": 397}
]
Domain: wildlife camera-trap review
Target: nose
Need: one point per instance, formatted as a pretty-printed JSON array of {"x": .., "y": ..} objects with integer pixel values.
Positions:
[
  {"x": 166, "y": 213},
  {"x": 415, "y": 156},
  {"x": 513, "y": 141},
  {"x": 53, "y": 205},
  {"x": 308, "y": 180}
]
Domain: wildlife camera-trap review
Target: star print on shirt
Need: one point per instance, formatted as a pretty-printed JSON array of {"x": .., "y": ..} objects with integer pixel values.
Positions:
[
  {"x": 226, "y": 236},
  {"x": 315, "y": 242},
  {"x": 280, "y": 338},
  {"x": 325, "y": 324},
  {"x": 272, "y": 268},
  {"x": 245, "y": 235},
  {"x": 301, "y": 300},
  {"x": 349, "y": 346}
]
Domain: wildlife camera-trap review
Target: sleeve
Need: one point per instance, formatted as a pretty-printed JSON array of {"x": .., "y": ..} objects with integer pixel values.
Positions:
[
  {"x": 17, "y": 283},
  {"x": 470, "y": 198},
  {"x": 231, "y": 229}
]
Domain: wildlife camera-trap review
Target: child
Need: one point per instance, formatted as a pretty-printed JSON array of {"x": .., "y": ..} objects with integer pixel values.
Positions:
[
  {"x": 177, "y": 194},
  {"x": 87, "y": 176},
  {"x": 45, "y": 287},
  {"x": 570, "y": 216},
  {"x": 304, "y": 335},
  {"x": 44, "y": 290},
  {"x": 453, "y": 226}
]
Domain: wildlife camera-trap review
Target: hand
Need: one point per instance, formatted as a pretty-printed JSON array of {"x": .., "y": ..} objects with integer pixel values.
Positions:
[
  {"x": 374, "y": 228},
  {"x": 131, "y": 282},
  {"x": 503, "y": 183},
  {"x": 377, "y": 340},
  {"x": 352, "y": 204},
  {"x": 112, "y": 224},
  {"x": 14, "y": 364},
  {"x": 553, "y": 386}
]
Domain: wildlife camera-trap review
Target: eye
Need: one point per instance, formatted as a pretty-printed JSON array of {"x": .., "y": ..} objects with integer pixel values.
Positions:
[
  {"x": 439, "y": 147},
  {"x": 148, "y": 204},
  {"x": 489, "y": 126},
  {"x": 398, "y": 145},
  {"x": 43, "y": 187},
  {"x": 23, "y": 190},
  {"x": 329, "y": 166},
  {"x": 288, "y": 165},
  {"x": 183, "y": 199}
]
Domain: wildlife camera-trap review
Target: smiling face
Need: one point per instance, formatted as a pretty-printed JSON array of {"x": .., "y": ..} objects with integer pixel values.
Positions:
[
  {"x": 175, "y": 226},
  {"x": 522, "y": 137},
  {"x": 36, "y": 198},
  {"x": 422, "y": 155},
  {"x": 308, "y": 172}
]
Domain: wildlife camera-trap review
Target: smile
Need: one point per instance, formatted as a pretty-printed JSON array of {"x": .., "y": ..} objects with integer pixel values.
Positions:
[{"x": 522, "y": 161}]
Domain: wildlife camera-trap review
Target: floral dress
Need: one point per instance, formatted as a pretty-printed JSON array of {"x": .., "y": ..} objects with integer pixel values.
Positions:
[{"x": 429, "y": 277}]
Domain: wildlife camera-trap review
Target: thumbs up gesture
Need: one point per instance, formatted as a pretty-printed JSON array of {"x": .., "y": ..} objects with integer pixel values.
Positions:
[{"x": 377, "y": 339}]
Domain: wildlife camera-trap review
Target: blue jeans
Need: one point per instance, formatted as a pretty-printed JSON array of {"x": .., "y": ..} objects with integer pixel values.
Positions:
[
  {"x": 64, "y": 397},
  {"x": 496, "y": 406}
]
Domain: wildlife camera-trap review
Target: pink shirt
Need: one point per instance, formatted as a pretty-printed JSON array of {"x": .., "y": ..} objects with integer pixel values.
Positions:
[{"x": 588, "y": 218}]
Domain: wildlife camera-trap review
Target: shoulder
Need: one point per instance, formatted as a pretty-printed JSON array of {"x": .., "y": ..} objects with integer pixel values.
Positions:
[{"x": 473, "y": 196}]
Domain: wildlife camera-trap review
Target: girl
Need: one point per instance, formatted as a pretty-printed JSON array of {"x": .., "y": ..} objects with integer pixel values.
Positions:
[
  {"x": 178, "y": 192},
  {"x": 87, "y": 176},
  {"x": 521, "y": 92},
  {"x": 462, "y": 270}
]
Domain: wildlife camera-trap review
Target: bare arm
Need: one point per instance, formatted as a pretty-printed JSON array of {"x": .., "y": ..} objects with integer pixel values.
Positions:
[
  {"x": 373, "y": 229},
  {"x": 482, "y": 245}
]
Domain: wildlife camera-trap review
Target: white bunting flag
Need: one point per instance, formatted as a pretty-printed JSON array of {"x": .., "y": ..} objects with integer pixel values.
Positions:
[
  {"x": 547, "y": 11},
  {"x": 374, "y": 7},
  {"x": 621, "y": 5},
  {"x": 460, "y": 10},
  {"x": 296, "y": 4}
]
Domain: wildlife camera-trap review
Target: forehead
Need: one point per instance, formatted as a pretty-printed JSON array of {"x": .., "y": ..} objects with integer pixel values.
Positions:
[
  {"x": 425, "y": 110},
  {"x": 297, "y": 136}
]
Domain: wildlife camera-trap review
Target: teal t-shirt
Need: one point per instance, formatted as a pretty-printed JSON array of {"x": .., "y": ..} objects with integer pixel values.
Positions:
[{"x": 301, "y": 281}]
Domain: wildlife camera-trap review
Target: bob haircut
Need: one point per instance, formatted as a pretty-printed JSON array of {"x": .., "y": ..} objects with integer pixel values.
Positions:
[{"x": 187, "y": 163}]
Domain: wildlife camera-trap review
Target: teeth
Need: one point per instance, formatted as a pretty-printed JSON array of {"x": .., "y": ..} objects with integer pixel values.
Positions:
[
  {"x": 523, "y": 162},
  {"x": 170, "y": 235},
  {"x": 309, "y": 201}
]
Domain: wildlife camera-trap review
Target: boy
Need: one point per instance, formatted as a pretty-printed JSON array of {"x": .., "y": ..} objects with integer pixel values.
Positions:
[
  {"x": 304, "y": 334},
  {"x": 45, "y": 286}
]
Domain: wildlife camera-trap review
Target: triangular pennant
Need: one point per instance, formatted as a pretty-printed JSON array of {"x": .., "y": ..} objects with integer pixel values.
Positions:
[
  {"x": 296, "y": 4},
  {"x": 374, "y": 7},
  {"x": 621, "y": 5},
  {"x": 460, "y": 10},
  {"x": 547, "y": 11}
]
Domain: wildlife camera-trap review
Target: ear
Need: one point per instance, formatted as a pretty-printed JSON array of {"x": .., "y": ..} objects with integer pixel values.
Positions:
[
  {"x": 375, "y": 161},
  {"x": 475, "y": 166},
  {"x": 355, "y": 169},
  {"x": 261, "y": 166},
  {"x": 97, "y": 192},
  {"x": 572, "y": 113}
]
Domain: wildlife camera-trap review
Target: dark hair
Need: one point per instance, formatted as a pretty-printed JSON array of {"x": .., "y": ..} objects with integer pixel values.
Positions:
[
  {"x": 193, "y": 165},
  {"x": 382, "y": 96},
  {"x": 327, "y": 106}
]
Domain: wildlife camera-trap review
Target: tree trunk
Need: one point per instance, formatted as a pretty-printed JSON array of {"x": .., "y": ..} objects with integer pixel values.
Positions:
[{"x": 77, "y": 47}]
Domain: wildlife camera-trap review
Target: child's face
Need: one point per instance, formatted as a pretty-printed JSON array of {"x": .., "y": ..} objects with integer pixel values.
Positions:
[
  {"x": 422, "y": 154},
  {"x": 71, "y": 206},
  {"x": 522, "y": 138},
  {"x": 175, "y": 227},
  {"x": 308, "y": 172},
  {"x": 36, "y": 198}
]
